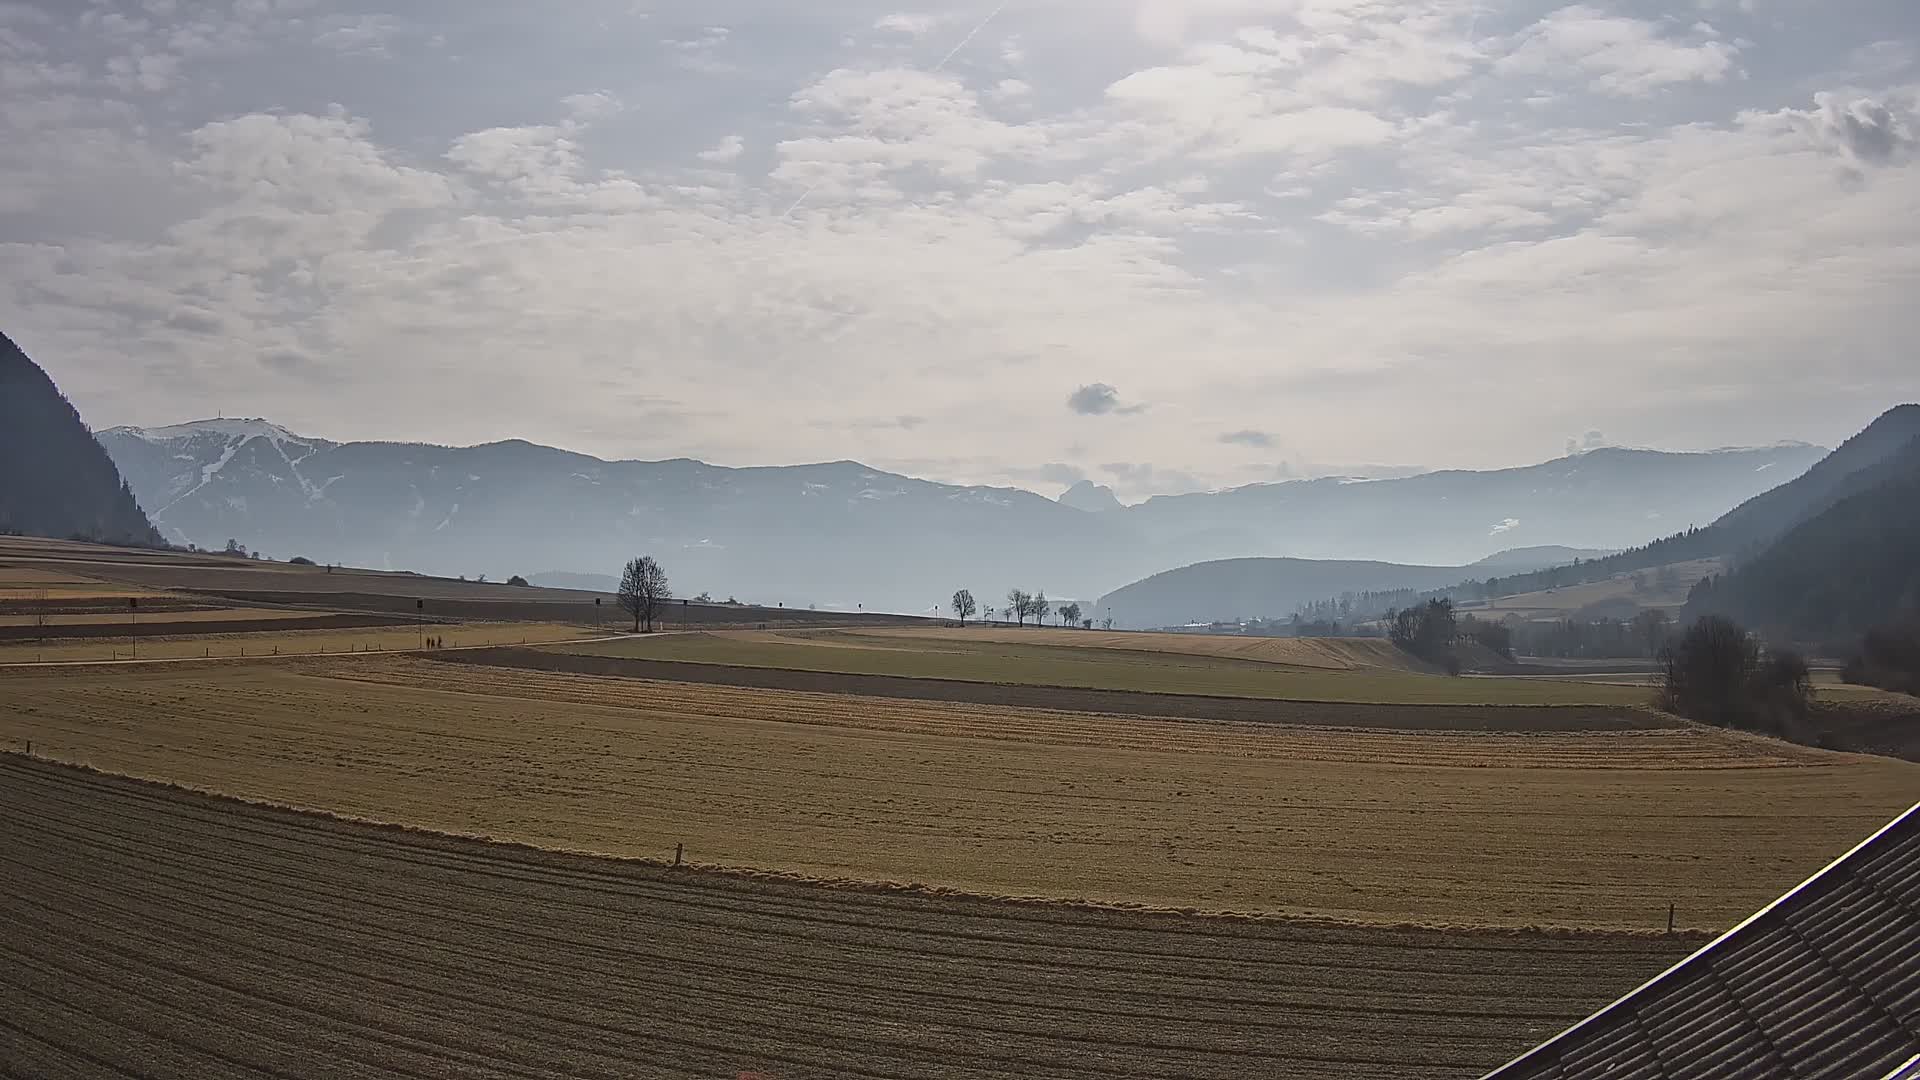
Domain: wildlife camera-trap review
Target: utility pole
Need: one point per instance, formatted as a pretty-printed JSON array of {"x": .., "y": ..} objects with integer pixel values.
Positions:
[
  {"x": 133, "y": 611},
  {"x": 420, "y": 620}
]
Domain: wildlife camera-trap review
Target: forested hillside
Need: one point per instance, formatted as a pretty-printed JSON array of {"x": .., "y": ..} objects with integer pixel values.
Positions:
[
  {"x": 55, "y": 480},
  {"x": 1830, "y": 579}
]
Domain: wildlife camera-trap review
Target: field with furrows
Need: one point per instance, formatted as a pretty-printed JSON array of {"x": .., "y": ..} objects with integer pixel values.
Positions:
[
  {"x": 1600, "y": 829},
  {"x": 164, "y": 639},
  {"x": 159, "y": 933}
]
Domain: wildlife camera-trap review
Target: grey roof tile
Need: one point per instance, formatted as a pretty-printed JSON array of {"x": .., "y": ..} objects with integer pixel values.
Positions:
[{"x": 1822, "y": 984}]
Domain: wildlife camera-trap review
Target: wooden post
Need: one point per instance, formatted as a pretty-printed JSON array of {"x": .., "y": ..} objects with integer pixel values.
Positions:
[
  {"x": 1669, "y": 918},
  {"x": 678, "y": 851},
  {"x": 29, "y": 747}
]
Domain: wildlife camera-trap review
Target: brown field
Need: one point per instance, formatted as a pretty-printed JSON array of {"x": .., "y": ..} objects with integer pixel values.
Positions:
[
  {"x": 116, "y": 573},
  {"x": 286, "y": 639},
  {"x": 1329, "y": 670},
  {"x": 34, "y": 585},
  {"x": 201, "y": 615},
  {"x": 1594, "y": 829},
  {"x": 159, "y": 933},
  {"x": 1356, "y": 712},
  {"x": 1333, "y": 654}
]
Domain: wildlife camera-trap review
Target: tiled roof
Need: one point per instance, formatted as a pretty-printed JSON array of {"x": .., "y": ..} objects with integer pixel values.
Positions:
[{"x": 1822, "y": 983}]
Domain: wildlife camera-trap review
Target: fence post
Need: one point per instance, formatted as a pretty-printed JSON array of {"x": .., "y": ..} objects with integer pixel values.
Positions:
[
  {"x": 678, "y": 850},
  {"x": 1669, "y": 918}
]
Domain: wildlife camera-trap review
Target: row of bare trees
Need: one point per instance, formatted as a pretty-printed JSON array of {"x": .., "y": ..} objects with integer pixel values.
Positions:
[{"x": 1021, "y": 606}]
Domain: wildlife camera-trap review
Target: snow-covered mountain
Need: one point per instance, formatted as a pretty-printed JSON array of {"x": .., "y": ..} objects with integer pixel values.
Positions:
[
  {"x": 842, "y": 533},
  {"x": 835, "y": 534}
]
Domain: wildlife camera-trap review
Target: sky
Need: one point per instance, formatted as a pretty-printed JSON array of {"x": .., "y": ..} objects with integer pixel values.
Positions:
[{"x": 1160, "y": 245}]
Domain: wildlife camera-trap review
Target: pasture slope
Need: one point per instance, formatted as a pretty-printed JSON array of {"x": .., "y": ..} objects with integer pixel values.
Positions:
[
  {"x": 1579, "y": 828},
  {"x": 164, "y": 934}
]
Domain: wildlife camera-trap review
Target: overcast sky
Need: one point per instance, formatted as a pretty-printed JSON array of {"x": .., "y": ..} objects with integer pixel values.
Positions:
[{"x": 1164, "y": 244}]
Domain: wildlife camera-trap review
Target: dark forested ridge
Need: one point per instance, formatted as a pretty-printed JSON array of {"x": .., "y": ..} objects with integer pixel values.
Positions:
[
  {"x": 1852, "y": 567},
  {"x": 55, "y": 480}
]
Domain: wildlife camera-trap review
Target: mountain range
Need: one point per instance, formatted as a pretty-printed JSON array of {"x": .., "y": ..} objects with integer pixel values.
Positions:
[
  {"x": 54, "y": 478},
  {"x": 843, "y": 534},
  {"x": 1824, "y": 555}
]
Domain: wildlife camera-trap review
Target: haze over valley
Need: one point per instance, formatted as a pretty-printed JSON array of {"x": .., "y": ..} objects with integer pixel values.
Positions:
[{"x": 976, "y": 539}]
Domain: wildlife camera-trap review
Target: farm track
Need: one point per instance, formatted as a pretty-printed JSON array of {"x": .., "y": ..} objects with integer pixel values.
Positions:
[
  {"x": 1412, "y": 717},
  {"x": 1585, "y": 829},
  {"x": 159, "y": 933}
]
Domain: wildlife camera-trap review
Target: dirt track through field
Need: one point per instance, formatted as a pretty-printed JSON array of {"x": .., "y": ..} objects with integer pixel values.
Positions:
[
  {"x": 158, "y": 933},
  {"x": 1531, "y": 718},
  {"x": 1574, "y": 829}
]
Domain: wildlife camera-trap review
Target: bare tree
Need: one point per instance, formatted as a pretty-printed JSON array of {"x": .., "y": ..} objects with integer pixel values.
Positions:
[
  {"x": 643, "y": 588},
  {"x": 1040, "y": 608},
  {"x": 1019, "y": 605},
  {"x": 964, "y": 605},
  {"x": 1070, "y": 614}
]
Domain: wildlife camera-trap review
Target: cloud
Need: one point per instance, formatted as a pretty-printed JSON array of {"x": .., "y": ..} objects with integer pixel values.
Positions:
[
  {"x": 1140, "y": 478},
  {"x": 725, "y": 151},
  {"x": 1248, "y": 437},
  {"x": 912, "y": 24},
  {"x": 360, "y": 35},
  {"x": 1592, "y": 440},
  {"x": 1621, "y": 56},
  {"x": 1360, "y": 205},
  {"x": 1099, "y": 399},
  {"x": 1863, "y": 130},
  {"x": 1057, "y": 473}
]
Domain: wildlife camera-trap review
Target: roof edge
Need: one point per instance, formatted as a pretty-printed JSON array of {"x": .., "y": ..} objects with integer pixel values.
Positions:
[{"x": 1912, "y": 812}]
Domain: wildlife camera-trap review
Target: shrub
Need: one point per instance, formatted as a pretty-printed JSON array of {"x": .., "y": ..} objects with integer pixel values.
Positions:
[
  {"x": 1716, "y": 673},
  {"x": 517, "y": 580},
  {"x": 300, "y": 560}
]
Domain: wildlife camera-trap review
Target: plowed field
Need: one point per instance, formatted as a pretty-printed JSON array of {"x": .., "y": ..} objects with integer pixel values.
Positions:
[
  {"x": 1571, "y": 829},
  {"x": 157, "y": 933}
]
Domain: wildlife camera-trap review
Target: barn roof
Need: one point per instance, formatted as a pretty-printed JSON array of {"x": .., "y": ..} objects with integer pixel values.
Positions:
[{"x": 1822, "y": 983}]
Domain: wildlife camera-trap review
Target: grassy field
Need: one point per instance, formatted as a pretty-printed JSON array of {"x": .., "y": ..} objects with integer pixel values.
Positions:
[
  {"x": 158, "y": 933},
  {"x": 289, "y": 641},
  {"x": 1062, "y": 658},
  {"x": 1575, "y": 829}
]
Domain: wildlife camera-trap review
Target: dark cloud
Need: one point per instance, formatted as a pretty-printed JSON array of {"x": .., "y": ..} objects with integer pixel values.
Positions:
[
  {"x": 1863, "y": 129},
  {"x": 196, "y": 321},
  {"x": 1099, "y": 399},
  {"x": 1248, "y": 437},
  {"x": 296, "y": 364},
  {"x": 1592, "y": 440}
]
